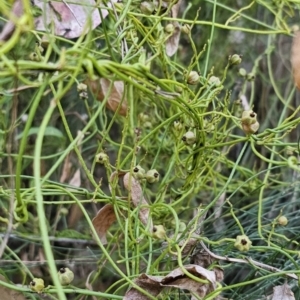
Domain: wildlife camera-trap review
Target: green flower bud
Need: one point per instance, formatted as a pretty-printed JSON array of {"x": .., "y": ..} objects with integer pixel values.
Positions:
[
  {"x": 169, "y": 28},
  {"x": 248, "y": 117},
  {"x": 138, "y": 172},
  {"x": 249, "y": 122},
  {"x": 159, "y": 232},
  {"x": 214, "y": 80},
  {"x": 242, "y": 243},
  {"x": 81, "y": 87},
  {"x": 147, "y": 8},
  {"x": 144, "y": 117},
  {"x": 152, "y": 176},
  {"x": 235, "y": 59},
  {"x": 282, "y": 220},
  {"x": 186, "y": 29},
  {"x": 65, "y": 276},
  {"x": 178, "y": 125},
  {"x": 242, "y": 72},
  {"x": 193, "y": 77},
  {"x": 102, "y": 158},
  {"x": 189, "y": 138},
  {"x": 37, "y": 285},
  {"x": 250, "y": 76},
  {"x": 34, "y": 57}
]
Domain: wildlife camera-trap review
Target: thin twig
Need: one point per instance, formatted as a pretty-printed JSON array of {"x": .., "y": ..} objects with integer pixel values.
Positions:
[{"x": 246, "y": 261}]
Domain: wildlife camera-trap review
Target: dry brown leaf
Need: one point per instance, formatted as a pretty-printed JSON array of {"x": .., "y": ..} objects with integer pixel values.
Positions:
[
  {"x": 68, "y": 20},
  {"x": 295, "y": 59},
  {"x": 8, "y": 294},
  {"x": 283, "y": 292},
  {"x": 134, "y": 188},
  {"x": 66, "y": 171},
  {"x": 176, "y": 279},
  {"x": 149, "y": 283},
  {"x": 101, "y": 88},
  {"x": 76, "y": 180},
  {"x": 172, "y": 42},
  {"x": 16, "y": 11},
  {"x": 104, "y": 219}
]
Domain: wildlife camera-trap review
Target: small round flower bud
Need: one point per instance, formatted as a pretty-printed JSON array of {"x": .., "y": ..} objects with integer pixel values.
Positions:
[
  {"x": 102, "y": 158},
  {"x": 214, "y": 80},
  {"x": 144, "y": 117},
  {"x": 235, "y": 59},
  {"x": 159, "y": 232},
  {"x": 186, "y": 29},
  {"x": 34, "y": 57},
  {"x": 242, "y": 243},
  {"x": 249, "y": 122},
  {"x": 189, "y": 138},
  {"x": 138, "y": 172},
  {"x": 147, "y": 8},
  {"x": 37, "y": 285},
  {"x": 250, "y": 76},
  {"x": 178, "y": 125},
  {"x": 193, "y": 77},
  {"x": 250, "y": 129},
  {"x": 248, "y": 117},
  {"x": 81, "y": 87},
  {"x": 282, "y": 220},
  {"x": 242, "y": 72},
  {"x": 152, "y": 176},
  {"x": 169, "y": 28},
  {"x": 65, "y": 276}
]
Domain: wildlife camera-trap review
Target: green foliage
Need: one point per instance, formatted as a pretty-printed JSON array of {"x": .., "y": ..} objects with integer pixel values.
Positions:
[{"x": 188, "y": 129}]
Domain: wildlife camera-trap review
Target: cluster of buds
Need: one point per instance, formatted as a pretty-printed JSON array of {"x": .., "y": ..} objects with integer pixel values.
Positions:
[
  {"x": 65, "y": 277},
  {"x": 249, "y": 122},
  {"x": 151, "y": 176},
  {"x": 82, "y": 90},
  {"x": 248, "y": 76}
]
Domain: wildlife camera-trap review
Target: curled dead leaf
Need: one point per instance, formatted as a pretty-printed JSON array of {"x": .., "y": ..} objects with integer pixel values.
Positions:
[
  {"x": 176, "y": 279},
  {"x": 172, "y": 42},
  {"x": 16, "y": 12},
  {"x": 101, "y": 87},
  {"x": 103, "y": 220},
  {"x": 295, "y": 59},
  {"x": 134, "y": 188},
  {"x": 68, "y": 20}
]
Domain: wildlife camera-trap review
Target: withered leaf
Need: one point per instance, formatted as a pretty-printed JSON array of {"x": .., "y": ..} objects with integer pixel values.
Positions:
[
  {"x": 101, "y": 87},
  {"x": 172, "y": 42},
  {"x": 68, "y": 20},
  {"x": 295, "y": 59},
  {"x": 283, "y": 292},
  {"x": 176, "y": 279},
  {"x": 16, "y": 11},
  {"x": 104, "y": 219},
  {"x": 149, "y": 283},
  {"x": 137, "y": 198}
]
